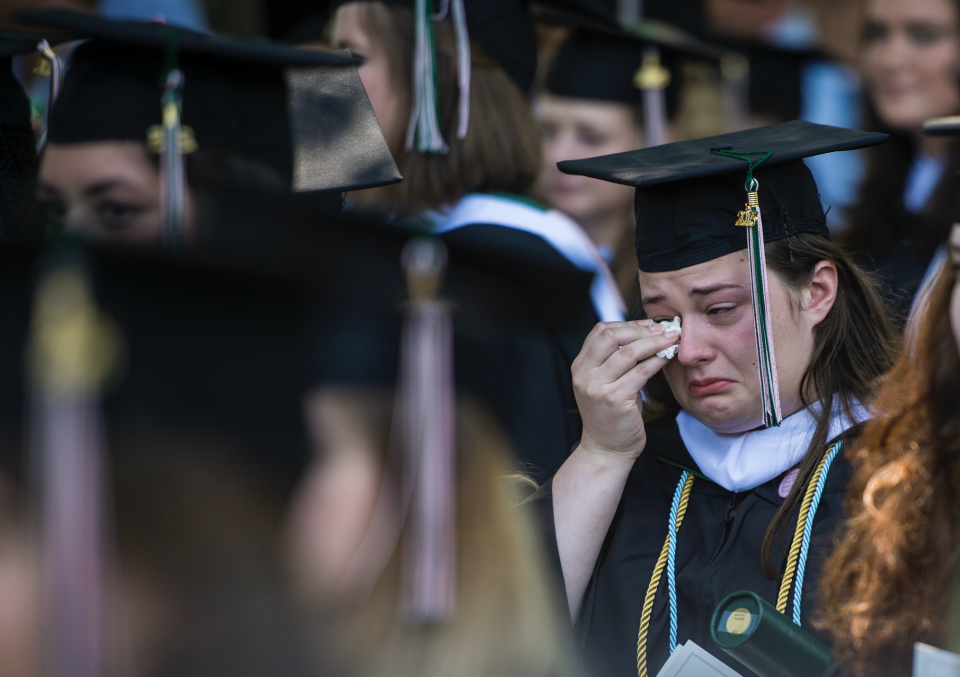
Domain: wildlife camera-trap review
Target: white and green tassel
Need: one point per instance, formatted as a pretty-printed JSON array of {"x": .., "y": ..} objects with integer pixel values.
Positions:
[
  {"x": 751, "y": 219},
  {"x": 424, "y": 129}
]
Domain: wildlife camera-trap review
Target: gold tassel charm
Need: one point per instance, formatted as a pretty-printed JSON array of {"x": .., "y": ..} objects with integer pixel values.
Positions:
[{"x": 751, "y": 212}]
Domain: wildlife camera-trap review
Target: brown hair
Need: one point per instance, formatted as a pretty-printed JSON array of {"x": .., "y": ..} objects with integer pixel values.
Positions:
[
  {"x": 884, "y": 587},
  {"x": 502, "y": 149},
  {"x": 508, "y": 620},
  {"x": 854, "y": 346}
]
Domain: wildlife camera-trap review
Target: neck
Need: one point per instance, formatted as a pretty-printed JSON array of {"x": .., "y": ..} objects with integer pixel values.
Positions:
[{"x": 606, "y": 230}]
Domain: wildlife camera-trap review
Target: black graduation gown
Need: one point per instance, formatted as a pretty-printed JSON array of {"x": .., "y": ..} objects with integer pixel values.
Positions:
[{"x": 718, "y": 553}]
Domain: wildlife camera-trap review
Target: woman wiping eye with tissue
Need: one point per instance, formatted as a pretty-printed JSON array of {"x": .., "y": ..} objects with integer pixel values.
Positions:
[{"x": 688, "y": 482}]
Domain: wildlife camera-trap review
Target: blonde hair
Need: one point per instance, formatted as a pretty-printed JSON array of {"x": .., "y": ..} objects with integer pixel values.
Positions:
[
  {"x": 508, "y": 620},
  {"x": 501, "y": 152}
]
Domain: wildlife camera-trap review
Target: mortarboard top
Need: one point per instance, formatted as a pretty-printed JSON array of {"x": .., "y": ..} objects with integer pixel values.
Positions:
[
  {"x": 303, "y": 114},
  {"x": 694, "y": 160},
  {"x": 688, "y": 197}
]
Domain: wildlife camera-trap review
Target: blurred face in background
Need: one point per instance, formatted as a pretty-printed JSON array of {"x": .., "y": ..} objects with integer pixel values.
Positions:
[
  {"x": 109, "y": 190},
  {"x": 332, "y": 508},
  {"x": 573, "y": 129},
  {"x": 911, "y": 60},
  {"x": 375, "y": 72}
]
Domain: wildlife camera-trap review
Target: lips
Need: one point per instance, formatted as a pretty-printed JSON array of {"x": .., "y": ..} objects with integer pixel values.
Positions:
[{"x": 709, "y": 386}]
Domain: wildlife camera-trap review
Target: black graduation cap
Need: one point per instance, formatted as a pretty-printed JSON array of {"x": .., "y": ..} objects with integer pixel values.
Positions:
[
  {"x": 602, "y": 61},
  {"x": 302, "y": 114},
  {"x": 690, "y": 204}
]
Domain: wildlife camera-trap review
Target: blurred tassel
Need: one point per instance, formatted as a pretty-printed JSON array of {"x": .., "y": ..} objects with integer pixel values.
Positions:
[
  {"x": 424, "y": 128},
  {"x": 463, "y": 66},
  {"x": 652, "y": 79},
  {"x": 53, "y": 68},
  {"x": 427, "y": 436},
  {"x": 72, "y": 349},
  {"x": 629, "y": 13},
  {"x": 173, "y": 180}
]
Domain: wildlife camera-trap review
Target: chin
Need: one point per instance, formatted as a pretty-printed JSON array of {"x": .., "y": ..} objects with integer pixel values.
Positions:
[
  {"x": 901, "y": 118},
  {"x": 724, "y": 413}
]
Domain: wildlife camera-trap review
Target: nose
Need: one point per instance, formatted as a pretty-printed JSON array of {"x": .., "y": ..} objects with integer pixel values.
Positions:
[
  {"x": 695, "y": 346},
  {"x": 895, "y": 52}
]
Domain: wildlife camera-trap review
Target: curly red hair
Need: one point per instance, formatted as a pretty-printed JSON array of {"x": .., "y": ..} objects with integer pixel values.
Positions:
[{"x": 883, "y": 588}]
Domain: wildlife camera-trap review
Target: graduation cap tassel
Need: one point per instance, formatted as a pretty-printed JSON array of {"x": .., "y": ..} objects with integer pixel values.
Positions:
[
  {"x": 424, "y": 128},
  {"x": 173, "y": 181},
  {"x": 72, "y": 350},
  {"x": 463, "y": 65},
  {"x": 53, "y": 67},
  {"x": 752, "y": 219},
  {"x": 652, "y": 80},
  {"x": 426, "y": 394}
]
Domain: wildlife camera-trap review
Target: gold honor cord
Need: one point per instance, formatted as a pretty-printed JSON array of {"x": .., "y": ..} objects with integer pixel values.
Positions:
[
  {"x": 785, "y": 585},
  {"x": 655, "y": 583},
  {"x": 787, "y": 582}
]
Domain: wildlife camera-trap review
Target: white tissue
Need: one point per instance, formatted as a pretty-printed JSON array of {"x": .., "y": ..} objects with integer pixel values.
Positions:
[{"x": 670, "y": 325}]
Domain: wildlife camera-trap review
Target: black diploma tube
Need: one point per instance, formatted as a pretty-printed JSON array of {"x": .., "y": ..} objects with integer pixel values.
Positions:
[{"x": 756, "y": 634}]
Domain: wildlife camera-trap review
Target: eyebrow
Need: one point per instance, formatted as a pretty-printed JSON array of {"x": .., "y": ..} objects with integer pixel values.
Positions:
[
  {"x": 102, "y": 187},
  {"x": 696, "y": 291}
]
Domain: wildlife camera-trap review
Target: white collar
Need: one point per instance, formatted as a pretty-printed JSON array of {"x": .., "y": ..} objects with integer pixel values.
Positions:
[{"x": 744, "y": 461}]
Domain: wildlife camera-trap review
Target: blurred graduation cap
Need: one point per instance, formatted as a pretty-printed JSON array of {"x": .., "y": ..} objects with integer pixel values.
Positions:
[
  {"x": 689, "y": 204},
  {"x": 295, "y": 118},
  {"x": 776, "y": 77},
  {"x": 633, "y": 66}
]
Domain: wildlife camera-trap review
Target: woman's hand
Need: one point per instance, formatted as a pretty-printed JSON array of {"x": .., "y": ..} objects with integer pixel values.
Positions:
[{"x": 617, "y": 360}]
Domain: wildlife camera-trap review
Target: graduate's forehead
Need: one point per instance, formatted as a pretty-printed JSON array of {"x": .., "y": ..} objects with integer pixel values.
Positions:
[{"x": 729, "y": 273}]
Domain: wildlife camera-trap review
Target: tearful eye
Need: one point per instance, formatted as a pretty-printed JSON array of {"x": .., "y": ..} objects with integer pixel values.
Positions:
[{"x": 719, "y": 311}]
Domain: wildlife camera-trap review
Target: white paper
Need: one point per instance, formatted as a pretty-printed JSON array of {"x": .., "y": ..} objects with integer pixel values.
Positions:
[
  {"x": 929, "y": 661},
  {"x": 689, "y": 660}
]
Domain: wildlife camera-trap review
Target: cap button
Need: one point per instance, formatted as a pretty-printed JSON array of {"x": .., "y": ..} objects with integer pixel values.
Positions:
[{"x": 725, "y": 146}]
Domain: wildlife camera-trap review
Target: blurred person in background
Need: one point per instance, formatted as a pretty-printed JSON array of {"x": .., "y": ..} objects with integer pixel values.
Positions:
[
  {"x": 888, "y": 584},
  {"x": 910, "y": 65},
  {"x": 507, "y": 620},
  {"x": 592, "y": 105},
  {"x": 473, "y": 157},
  {"x": 244, "y": 127},
  {"x": 474, "y": 191}
]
